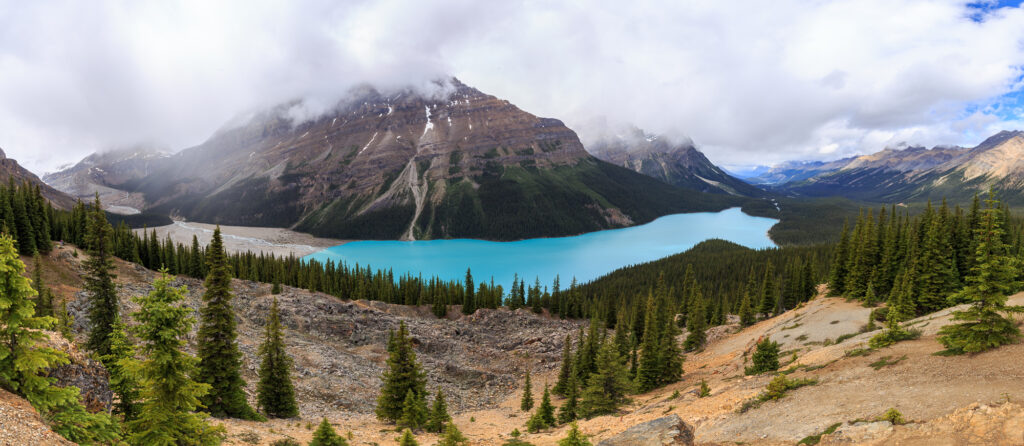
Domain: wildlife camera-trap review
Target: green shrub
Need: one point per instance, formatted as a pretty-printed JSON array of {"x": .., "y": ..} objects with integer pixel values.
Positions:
[
  {"x": 893, "y": 416},
  {"x": 766, "y": 358},
  {"x": 285, "y": 442},
  {"x": 892, "y": 336},
  {"x": 812, "y": 440}
]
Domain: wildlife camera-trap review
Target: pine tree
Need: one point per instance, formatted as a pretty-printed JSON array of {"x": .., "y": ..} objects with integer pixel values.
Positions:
[
  {"x": 122, "y": 381},
  {"x": 574, "y": 437},
  {"x": 570, "y": 408},
  {"x": 169, "y": 395},
  {"x": 403, "y": 375},
  {"x": 220, "y": 361},
  {"x": 993, "y": 277},
  {"x": 414, "y": 411},
  {"x": 99, "y": 281},
  {"x": 195, "y": 265},
  {"x": 407, "y": 439},
  {"x": 695, "y": 323},
  {"x": 648, "y": 374},
  {"x": 453, "y": 437},
  {"x": 526, "y": 403},
  {"x": 766, "y": 357},
  {"x": 607, "y": 388},
  {"x": 546, "y": 411},
  {"x": 936, "y": 274},
  {"x": 565, "y": 371},
  {"x": 439, "y": 416},
  {"x": 670, "y": 353},
  {"x": 275, "y": 393},
  {"x": 23, "y": 224},
  {"x": 324, "y": 435},
  {"x": 705, "y": 390},
  {"x": 768, "y": 292}
]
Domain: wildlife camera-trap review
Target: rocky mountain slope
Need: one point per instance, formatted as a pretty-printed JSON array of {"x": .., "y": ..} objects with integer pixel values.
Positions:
[
  {"x": 678, "y": 163},
  {"x": 479, "y": 360},
  {"x": 453, "y": 162},
  {"x": 103, "y": 172},
  {"x": 917, "y": 173},
  {"x": 10, "y": 170}
]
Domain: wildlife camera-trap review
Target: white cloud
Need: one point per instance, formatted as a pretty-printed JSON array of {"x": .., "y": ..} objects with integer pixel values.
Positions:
[{"x": 763, "y": 81}]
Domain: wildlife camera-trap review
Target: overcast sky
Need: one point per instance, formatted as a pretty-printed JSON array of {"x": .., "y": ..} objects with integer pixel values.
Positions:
[{"x": 752, "y": 82}]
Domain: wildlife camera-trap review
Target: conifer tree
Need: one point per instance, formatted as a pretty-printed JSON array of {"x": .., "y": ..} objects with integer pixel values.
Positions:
[
  {"x": 747, "y": 316},
  {"x": 407, "y": 439},
  {"x": 766, "y": 357},
  {"x": 526, "y": 403},
  {"x": 324, "y": 435},
  {"x": 574, "y": 437},
  {"x": 766, "y": 303},
  {"x": 469, "y": 301},
  {"x": 122, "y": 381},
  {"x": 670, "y": 353},
  {"x": 220, "y": 361},
  {"x": 453, "y": 437},
  {"x": 570, "y": 408},
  {"x": 565, "y": 371},
  {"x": 99, "y": 281},
  {"x": 195, "y": 265},
  {"x": 607, "y": 388},
  {"x": 695, "y": 323},
  {"x": 546, "y": 411},
  {"x": 275, "y": 393},
  {"x": 993, "y": 277},
  {"x": 648, "y": 374},
  {"x": 44, "y": 302},
  {"x": 403, "y": 375},
  {"x": 936, "y": 273},
  {"x": 170, "y": 398},
  {"x": 24, "y": 362},
  {"x": 23, "y": 224},
  {"x": 439, "y": 416},
  {"x": 837, "y": 275},
  {"x": 414, "y": 411}
]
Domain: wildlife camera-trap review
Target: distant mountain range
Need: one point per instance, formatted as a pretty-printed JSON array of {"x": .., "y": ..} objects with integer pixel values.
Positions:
[
  {"x": 913, "y": 173},
  {"x": 388, "y": 165}
]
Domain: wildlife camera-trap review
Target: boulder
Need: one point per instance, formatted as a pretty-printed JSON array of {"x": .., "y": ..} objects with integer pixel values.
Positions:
[{"x": 665, "y": 431}]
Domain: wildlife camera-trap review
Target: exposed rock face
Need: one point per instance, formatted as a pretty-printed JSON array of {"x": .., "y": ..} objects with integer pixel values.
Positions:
[
  {"x": 665, "y": 431},
  {"x": 678, "y": 163},
  {"x": 454, "y": 162},
  {"x": 20, "y": 424},
  {"x": 83, "y": 372}
]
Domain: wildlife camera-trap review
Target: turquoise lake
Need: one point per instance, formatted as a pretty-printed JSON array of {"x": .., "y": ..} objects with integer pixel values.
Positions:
[{"x": 585, "y": 257}]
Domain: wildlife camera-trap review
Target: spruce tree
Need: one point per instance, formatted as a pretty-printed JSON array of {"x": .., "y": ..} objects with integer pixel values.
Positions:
[
  {"x": 414, "y": 411},
  {"x": 324, "y": 435},
  {"x": 670, "y": 353},
  {"x": 195, "y": 265},
  {"x": 44, "y": 302},
  {"x": 993, "y": 277},
  {"x": 937, "y": 276},
  {"x": 546, "y": 411},
  {"x": 439, "y": 416},
  {"x": 220, "y": 361},
  {"x": 565, "y": 371},
  {"x": 837, "y": 274},
  {"x": 766, "y": 357},
  {"x": 170, "y": 398},
  {"x": 695, "y": 323},
  {"x": 453, "y": 437},
  {"x": 526, "y": 403},
  {"x": 768, "y": 292},
  {"x": 24, "y": 362},
  {"x": 607, "y": 388},
  {"x": 570, "y": 408},
  {"x": 275, "y": 393},
  {"x": 651, "y": 360},
  {"x": 574, "y": 437},
  {"x": 747, "y": 316},
  {"x": 407, "y": 439},
  {"x": 403, "y": 375},
  {"x": 469, "y": 300},
  {"x": 99, "y": 281},
  {"x": 122, "y": 381}
]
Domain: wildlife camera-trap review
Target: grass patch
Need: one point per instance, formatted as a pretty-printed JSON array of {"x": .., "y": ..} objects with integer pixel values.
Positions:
[
  {"x": 801, "y": 338},
  {"x": 886, "y": 361},
  {"x": 795, "y": 325},
  {"x": 844, "y": 337},
  {"x": 776, "y": 389},
  {"x": 892, "y": 336},
  {"x": 857, "y": 352},
  {"x": 815, "y": 439}
]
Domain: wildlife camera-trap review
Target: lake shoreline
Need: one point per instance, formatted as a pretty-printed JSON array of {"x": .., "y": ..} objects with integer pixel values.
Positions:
[{"x": 239, "y": 239}]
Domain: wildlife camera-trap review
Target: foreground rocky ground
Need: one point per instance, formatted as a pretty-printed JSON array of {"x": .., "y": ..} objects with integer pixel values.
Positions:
[{"x": 479, "y": 361}]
